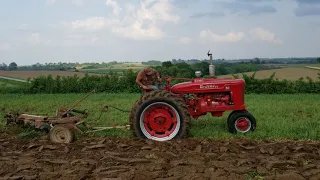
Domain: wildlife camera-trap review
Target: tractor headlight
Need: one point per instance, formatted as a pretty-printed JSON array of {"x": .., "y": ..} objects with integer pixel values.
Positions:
[{"x": 198, "y": 73}]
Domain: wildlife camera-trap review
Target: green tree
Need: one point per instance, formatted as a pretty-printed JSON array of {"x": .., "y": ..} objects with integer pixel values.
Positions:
[
  {"x": 256, "y": 60},
  {"x": 167, "y": 64},
  {"x": 3, "y": 66},
  {"x": 318, "y": 59},
  {"x": 221, "y": 70},
  {"x": 13, "y": 66},
  {"x": 183, "y": 65},
  {"x": 201, "y": 66}
]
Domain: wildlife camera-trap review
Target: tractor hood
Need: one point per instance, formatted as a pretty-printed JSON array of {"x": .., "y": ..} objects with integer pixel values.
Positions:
[{"x": 202, "y": 85}]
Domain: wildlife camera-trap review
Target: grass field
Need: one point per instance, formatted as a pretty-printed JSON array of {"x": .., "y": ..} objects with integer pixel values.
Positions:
[
  {"x": 278, "y": 116},
  {"x": 5, "y": 84},
  {"x": 118, "y": 68},
  {"x": 124, "y": 66},
  {"x": 32, "y": 74},
  {"x": 106, "y": 71},
  {"x": 290, "y": 73}
]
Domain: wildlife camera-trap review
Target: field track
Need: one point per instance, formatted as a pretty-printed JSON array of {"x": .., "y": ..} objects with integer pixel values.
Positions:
[
  {"x": 313, "y": 67},
  {"x": 13, "y": 79},
  {"x": 115, "y": 158}
]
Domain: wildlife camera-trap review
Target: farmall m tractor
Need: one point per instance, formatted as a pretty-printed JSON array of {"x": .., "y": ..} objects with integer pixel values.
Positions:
[{"x": 162, "y": 115}]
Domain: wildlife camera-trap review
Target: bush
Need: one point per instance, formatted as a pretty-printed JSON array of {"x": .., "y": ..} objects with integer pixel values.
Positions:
[{"x": 274, "y": 86}]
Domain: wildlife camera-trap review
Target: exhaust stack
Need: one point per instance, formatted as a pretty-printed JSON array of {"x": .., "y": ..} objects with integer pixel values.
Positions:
[{"x": 211, "y": 66}]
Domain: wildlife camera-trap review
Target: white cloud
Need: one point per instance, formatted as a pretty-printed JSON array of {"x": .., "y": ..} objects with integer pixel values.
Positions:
[
  {"x": 113, "y": 4},
  {"x": 263, "y": 35},
  {"x": 33, "y": 39},
  {"x": 50, "y": 2},
  {"x": 230, "y": 37},
  {"x": 255, "y": 34},
  {"x": 78, "y": 2},
  {"x": 4, "y": 46},
  {"x": 75, "y": 2},
  {"x": 185, "y": 40},
  {"x": 141, "y": 22},
  {"x": 78, "y": 40},
  {"x": 90, "y": 24},
  {"x": 136, "y": 32},
  {"x": 24, "y": 27}
]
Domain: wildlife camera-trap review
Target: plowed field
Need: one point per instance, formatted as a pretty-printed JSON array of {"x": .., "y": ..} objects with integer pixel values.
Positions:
[
  {"x": 115, "y": 158},
  {"x": 289, "y": 73}
]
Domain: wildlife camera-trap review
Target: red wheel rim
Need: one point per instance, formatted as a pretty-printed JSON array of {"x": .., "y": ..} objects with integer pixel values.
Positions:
[
  {"x": 243, "y": 124},
  {"x": 160, "y": 121}
]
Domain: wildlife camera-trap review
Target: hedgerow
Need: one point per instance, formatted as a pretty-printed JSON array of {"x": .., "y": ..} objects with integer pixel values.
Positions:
[{"x": 113, "y": 83}]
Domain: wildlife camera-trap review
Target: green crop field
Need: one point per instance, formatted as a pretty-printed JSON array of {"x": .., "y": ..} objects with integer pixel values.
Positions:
[
  {"x": 117, "y": 68},
  {"x": 278, "y": 116},
  {"x": 107, "y": 71},
  {"x": 6, "y": 84}
]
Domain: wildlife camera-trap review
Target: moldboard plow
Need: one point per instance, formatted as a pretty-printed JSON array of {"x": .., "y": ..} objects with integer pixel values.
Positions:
[{"x": 61, "y": 127}]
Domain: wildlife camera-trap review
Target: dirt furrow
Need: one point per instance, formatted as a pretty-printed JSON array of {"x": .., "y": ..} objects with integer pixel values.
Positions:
[{"x": 103, "y": 158}]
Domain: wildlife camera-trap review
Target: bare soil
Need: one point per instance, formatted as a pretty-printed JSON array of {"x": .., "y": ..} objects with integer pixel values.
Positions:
[{"x": 119, "y": 158}]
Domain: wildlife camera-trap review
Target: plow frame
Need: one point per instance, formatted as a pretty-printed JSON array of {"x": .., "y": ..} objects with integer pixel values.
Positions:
[{"x": 63, "y": 125}]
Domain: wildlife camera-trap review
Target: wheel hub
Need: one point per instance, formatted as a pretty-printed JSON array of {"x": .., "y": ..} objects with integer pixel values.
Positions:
[
  {"x": 160, "y": 121},
  {"x": 243, "y": 124},
  {"x": 60, "y": 134}
]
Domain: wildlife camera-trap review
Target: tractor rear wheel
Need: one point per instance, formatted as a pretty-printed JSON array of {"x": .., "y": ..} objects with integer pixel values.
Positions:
[
  {"x": 161, "y": 116},
  {"x": 241, "y": 122}
]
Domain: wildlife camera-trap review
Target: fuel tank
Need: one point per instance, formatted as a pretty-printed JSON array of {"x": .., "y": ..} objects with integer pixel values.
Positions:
[{"x": 207, "y": 85}]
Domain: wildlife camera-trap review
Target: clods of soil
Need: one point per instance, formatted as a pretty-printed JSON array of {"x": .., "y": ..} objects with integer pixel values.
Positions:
[{"x": 126, "y": 159}]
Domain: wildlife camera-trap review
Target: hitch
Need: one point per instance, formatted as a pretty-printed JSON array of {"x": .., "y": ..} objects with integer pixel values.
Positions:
[{"x": 61, "y": 126}]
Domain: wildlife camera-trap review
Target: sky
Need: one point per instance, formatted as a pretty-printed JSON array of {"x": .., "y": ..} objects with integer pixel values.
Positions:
[{"x": 44, "y": 31}]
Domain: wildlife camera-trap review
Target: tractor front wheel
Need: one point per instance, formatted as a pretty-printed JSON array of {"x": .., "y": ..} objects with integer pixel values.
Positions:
[
  {"x": 160, "y": 116},
  {"x": 241, "y": 122}
]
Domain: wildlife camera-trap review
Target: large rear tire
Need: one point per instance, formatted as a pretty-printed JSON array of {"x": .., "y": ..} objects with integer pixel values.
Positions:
[{"x": 161, "y": 116}]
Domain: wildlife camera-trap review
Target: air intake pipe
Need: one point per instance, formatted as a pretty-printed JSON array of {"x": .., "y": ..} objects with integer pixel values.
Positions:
[{"x": 211, "y": 66}]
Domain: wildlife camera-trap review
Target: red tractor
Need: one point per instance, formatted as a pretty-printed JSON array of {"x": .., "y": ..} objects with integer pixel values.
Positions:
[{"x": 163, "y": 115}]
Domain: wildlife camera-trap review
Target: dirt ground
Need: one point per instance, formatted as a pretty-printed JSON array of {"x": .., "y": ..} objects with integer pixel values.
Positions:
[{"x": 115, "y": 158}]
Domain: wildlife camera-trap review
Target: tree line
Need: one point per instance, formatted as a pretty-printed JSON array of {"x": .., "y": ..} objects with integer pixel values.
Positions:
[
  {"x": 186, "y": 70},
  {"x": 12, "y": 66},
  {"x": 64, "y": 66}
]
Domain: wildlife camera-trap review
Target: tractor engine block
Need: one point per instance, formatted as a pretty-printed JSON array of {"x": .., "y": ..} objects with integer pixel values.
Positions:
[{"x": 201, "y": 104}]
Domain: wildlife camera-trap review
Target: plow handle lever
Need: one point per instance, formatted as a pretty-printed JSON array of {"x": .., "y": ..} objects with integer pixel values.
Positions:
[
  {"x": 71, "y": 109},
  {"x": 79, "y": 111},
  {"x": 94, "y": 90}
]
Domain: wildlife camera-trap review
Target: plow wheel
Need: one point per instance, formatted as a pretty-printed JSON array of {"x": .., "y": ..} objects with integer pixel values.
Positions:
[
  {"x": 60, "y": 134},
  {"x": 241, "y": 122},
  {"x": 160, "y": 116}
]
